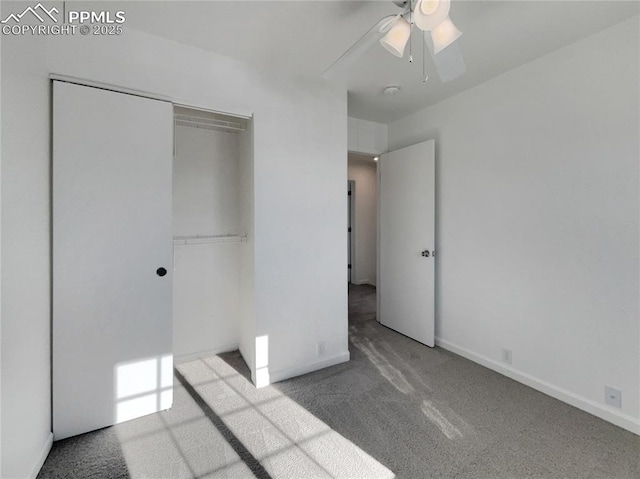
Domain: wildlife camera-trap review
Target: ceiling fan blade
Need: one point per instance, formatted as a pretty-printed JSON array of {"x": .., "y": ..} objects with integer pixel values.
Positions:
[
  {"x": 363, "y": 44},
  {"x": 449, "y": 62}
]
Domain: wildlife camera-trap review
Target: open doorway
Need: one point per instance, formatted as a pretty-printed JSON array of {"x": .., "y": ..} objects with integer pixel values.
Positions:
[{"x": 362, "y": 241}]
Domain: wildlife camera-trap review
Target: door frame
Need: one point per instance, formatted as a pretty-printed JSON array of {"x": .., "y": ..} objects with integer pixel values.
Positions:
[
  {"x": 119, "y": 88},
  {"x": 246, "y": 115},
  {"x": 351, "y": 229}
]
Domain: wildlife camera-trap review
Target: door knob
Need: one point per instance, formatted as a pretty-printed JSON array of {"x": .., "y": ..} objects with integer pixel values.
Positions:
[
  {"x": 425, "y": 253},
  {"x": 161, "y": 272}
]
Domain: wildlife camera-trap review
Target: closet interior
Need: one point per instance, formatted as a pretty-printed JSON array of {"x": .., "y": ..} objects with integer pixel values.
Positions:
[{"x": 212, "y": 231}]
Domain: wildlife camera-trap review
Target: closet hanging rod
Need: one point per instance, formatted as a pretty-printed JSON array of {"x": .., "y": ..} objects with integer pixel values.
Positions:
[
  {"x": 209, "y": 127},
  {"x": 199, "y": 109},
  {"x": 187, "y": 240},
  {"x": 209, "y": 123}
]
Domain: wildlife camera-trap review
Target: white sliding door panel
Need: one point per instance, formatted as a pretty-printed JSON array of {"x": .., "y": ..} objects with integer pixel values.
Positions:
[
  {"x": 407, "y": 241},
  {"x": 112, "y": 334}
]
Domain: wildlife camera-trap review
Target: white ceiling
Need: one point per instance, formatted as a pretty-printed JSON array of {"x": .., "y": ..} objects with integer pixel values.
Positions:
[{"x": 305, "y": 37}]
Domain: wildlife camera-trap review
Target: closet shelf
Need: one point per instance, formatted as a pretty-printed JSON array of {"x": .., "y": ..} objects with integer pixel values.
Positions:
[{"x": 187, "y": 240}]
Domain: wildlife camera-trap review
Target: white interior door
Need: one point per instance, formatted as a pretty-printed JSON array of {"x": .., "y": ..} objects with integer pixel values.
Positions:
[
  {"x": 407, "y": 241},
  {"x": 112, "y": 257}
]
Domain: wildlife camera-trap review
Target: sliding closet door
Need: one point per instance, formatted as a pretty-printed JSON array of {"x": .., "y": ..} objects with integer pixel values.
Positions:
[{"x": 112, "y": 257}]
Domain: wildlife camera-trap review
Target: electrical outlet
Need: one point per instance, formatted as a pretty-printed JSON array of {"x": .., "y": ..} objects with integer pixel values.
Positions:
[
  {"x": 506, "y": 356},
  {"x": 320, "y": 348},
  {"x": 612, "y": 397}
]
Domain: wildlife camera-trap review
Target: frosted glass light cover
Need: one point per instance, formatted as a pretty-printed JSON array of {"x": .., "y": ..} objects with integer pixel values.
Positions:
[
  {"x": 428, "y": 14},
  {"x": 396, "y": 39},
  {"x": 444, "y": 35},
  {"x": 428, "y": 7}
]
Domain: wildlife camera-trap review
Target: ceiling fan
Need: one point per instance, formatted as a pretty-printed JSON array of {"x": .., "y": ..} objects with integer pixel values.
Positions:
[{"x": 393, "y": 33}]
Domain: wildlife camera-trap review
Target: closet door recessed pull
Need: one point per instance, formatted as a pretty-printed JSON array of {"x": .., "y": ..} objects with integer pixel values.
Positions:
[{"x": 161, "y": 272}]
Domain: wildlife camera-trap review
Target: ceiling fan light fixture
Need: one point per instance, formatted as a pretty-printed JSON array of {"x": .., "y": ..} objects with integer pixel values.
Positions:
[
  {"x": 428, "y": 14},
  {"x": 444, "y": 35},
  {"x": 428, "y": 7},
  {"x": 387, "y": 23},
  {"x": 396, "y": 39}
]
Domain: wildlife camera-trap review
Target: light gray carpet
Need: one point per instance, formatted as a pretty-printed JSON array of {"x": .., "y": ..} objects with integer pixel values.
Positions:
[{"x": 397, "y": 408}]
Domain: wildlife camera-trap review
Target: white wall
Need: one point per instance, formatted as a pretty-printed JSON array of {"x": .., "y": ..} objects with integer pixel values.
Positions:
[
  {"x": 206, "y": 299},
  {"x": 25, "y": 363},
  {"x": 299, "y": 175},
  {"x": 206, "y": 178},
  {"x": 247, "y": 311},
  {"x": 537, "y": 220},
  {"x": 300, "y": 171},
  {"x": 367, "y": 136},
  {"x": 362, "y": 169}
]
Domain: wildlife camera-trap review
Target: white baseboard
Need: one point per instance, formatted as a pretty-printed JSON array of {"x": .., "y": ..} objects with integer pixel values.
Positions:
[
  {"x": 364, "y": 281},
  {"x": 184, "y": 358},
  {"x": 603, "y": 412},
  {"x": 283, "y": 374},
  {"x": 44, "y": 452}
]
